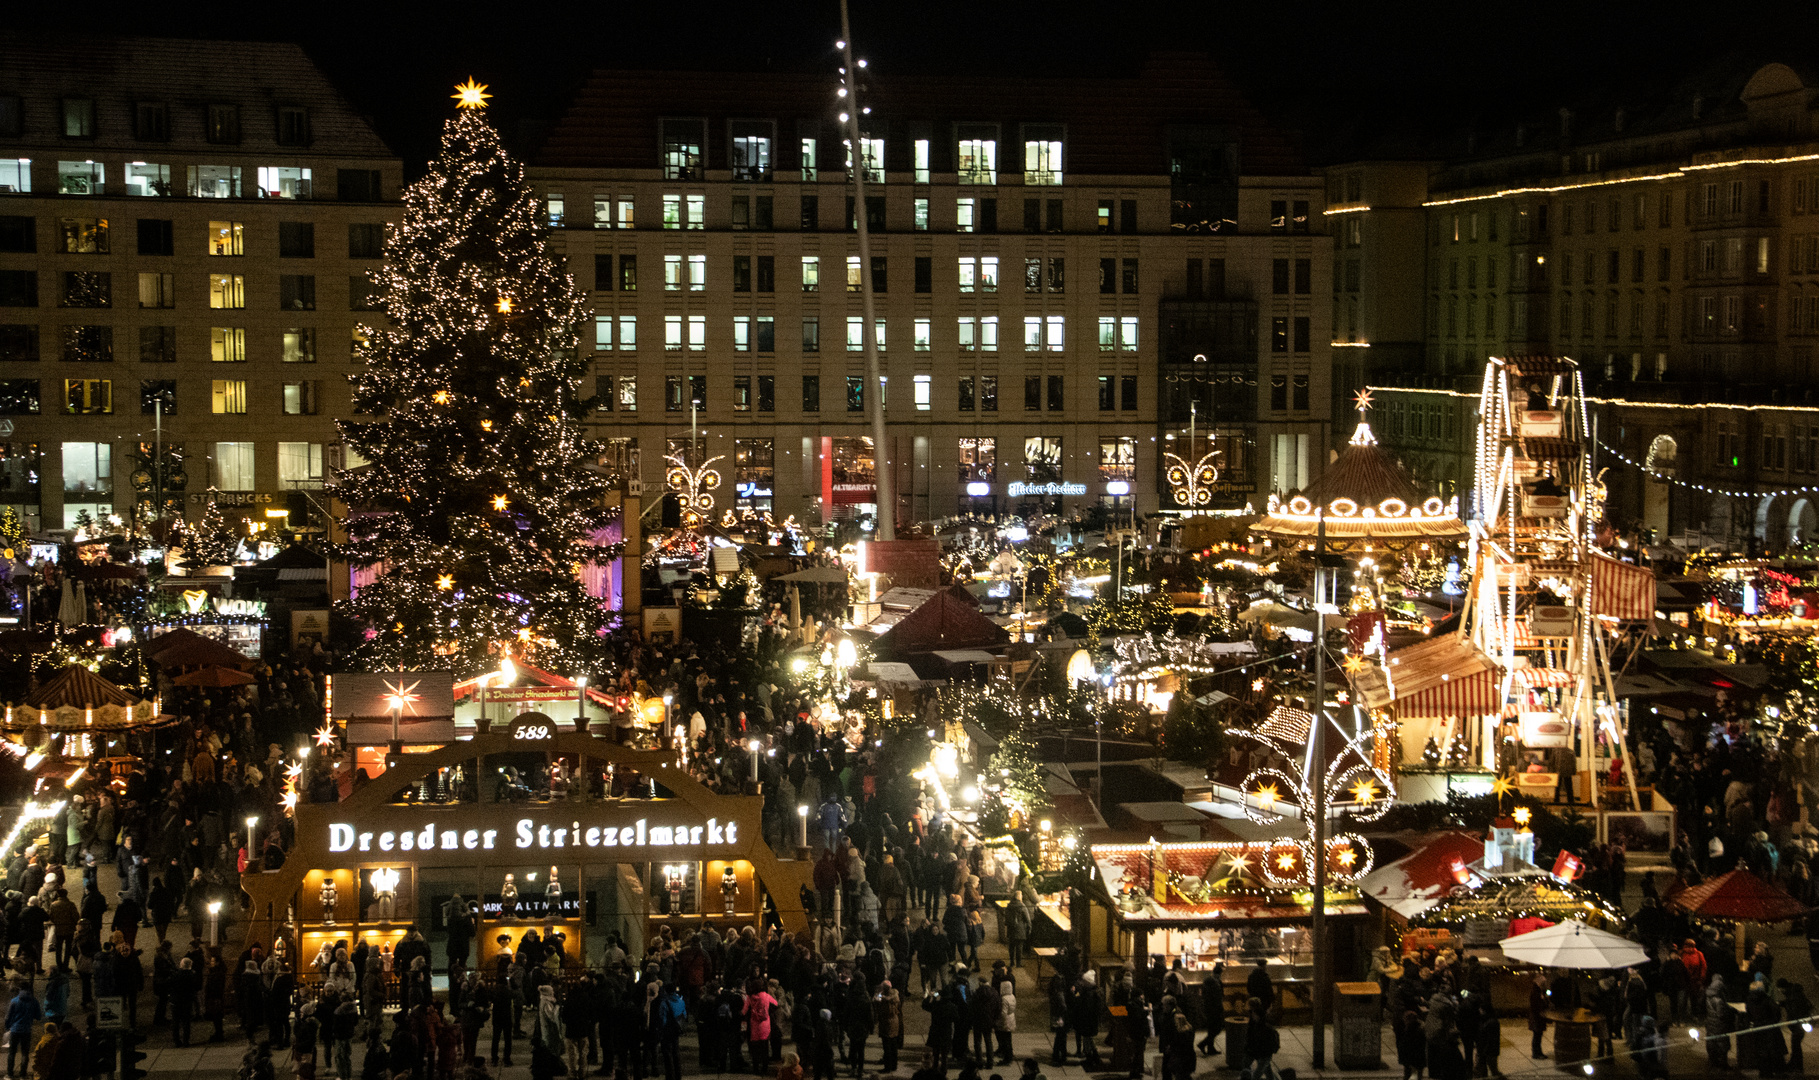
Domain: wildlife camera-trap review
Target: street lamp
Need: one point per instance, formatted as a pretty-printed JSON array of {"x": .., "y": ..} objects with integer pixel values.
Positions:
[
  {"x": 581, "y": 703},
  {"x": 214, "y": 922},
  {"x": 251, "y": 820},
  {"x": 802, "y": 826},
  {"x": 754, "y": 746}
]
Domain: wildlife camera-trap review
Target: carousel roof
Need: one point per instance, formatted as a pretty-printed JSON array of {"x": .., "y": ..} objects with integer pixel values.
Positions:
[
  {"x": 1363, "y": 495},
  {"x": 77, "y": 687}
]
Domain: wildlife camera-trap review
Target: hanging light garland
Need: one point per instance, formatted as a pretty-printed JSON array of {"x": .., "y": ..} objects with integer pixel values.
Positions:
[{"x": 1664, "y": 478}]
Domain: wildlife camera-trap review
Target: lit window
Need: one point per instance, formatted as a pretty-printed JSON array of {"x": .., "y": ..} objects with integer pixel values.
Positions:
[
  {"x": 1041, "y": 155},
  {"x": 214, "y": 181},
  {"x": 697, "y": 332},
  {"x": 145, "y": 179},
  {"x": 854, "y": 276},
  {"x": 283, "y": 183},
  {"x": 299, "y": 464},
  {"x": 923, "y": 329},
  {"x": 924, "y": 393},
  {"x": 988, "y": 333},
  {"x": 963, "y": 214},
  {"x": 226, "y": 290},
  {"x": 811, "y": 273},
  {"x": 228, "y": 396},
  {"x": 1057, "y": 332},
  {"x": 628, "y": 333},
  {"x": 697, "y": 273},
  {"x": 234, "y": 466},
  {"x": 1127, "y": 333},
  {"x": 88, "y": 396},
  {"x": 696, "y": 206},
  {"x": 15, "y": 175},
  {"x": 874, "y": 159},
  {"x": 921, "y": 161},
  {"x": 672, "y": 273},
  {"x": 977, "y": 154},
  {"x": 554, "y": 206},
  {"x": 226, "y": 238},
  {"x": 921, "y": 212},
  {"x": 80, "y": 177},
  {"x": 227, "y": 344}
]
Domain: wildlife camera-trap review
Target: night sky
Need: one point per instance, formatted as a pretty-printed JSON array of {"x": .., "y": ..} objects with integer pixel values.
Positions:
[{"x": 1350, "y": 80}]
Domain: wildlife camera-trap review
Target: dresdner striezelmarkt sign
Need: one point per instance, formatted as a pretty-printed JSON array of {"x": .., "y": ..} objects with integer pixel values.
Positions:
[{"x": 533, "y": 834}]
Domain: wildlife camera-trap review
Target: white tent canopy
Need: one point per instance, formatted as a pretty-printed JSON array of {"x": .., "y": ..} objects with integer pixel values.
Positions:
[{"x": 1573, "y": 945}]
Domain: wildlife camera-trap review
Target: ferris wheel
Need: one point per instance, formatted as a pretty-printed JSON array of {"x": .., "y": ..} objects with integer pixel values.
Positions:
[{"x": 1544, "y": 599}]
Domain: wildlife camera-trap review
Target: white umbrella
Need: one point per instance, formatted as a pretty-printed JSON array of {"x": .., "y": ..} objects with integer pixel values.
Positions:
[{"x": 1573, "y": 945}]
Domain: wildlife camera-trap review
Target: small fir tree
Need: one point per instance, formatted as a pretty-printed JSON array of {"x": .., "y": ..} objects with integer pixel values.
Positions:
[
  {"x": 212, "y": 541},
  {"x": 479, "y": 505}
]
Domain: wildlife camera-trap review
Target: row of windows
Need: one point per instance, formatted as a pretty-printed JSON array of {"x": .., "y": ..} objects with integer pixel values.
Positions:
[
  {"x": 753, "y": 150},
  {"x": 758, "y": 213},
  {"x": 683, "y": 393},
  {"x": 151, "y": 120},
  {"x": 973, "y": 274},
  {"x": 157, "y": 236},
  {"x": 227, "y": 292},
  {"x": 20, "y": 342},
  {"x": 22, "y": 397},
  {"x": 144, "y": 179},
  {"x": 759, "y": 333},
  {"x": 88, "y": 467},
  {"x": 1584, "y": 315}
]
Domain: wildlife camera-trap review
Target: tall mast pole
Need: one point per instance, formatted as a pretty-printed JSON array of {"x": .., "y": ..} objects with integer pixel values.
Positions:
[
  {"x": 1316, "y": 781},
  {"x": 851, "y": 114}
]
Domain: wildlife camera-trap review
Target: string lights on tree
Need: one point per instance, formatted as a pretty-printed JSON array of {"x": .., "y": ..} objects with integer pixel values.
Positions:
[{"x": 479, "y": 507}]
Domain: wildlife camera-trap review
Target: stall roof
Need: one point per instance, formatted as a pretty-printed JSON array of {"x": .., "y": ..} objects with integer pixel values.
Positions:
[
  {"x": 1122, "y": 864},
  {"x": 903, "y": 598},
  {"x": 944, "y": 623},
  {"x": 967, "y": 656},
  {"x": 1737, "y": 895}
]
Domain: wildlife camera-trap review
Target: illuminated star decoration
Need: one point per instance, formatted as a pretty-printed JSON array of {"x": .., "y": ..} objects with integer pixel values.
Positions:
[
  {"x": 1347, "y": 857},
  {"x": 1502, "y": 786},
  {"x": 1285, "y": 861},
  {"x": 325, "y": 736},
  {"x": 1363, "y": 399},
  {"x": 499, "y": 503},
  {"x": 1238, "y": 862},
  {"x": 1267, "y": 794},
  {"x": 442, "y": 397},
  {"x": 470, "y": 94},
  {"x": 400, "y": 696},
  {"x": 1256, "y": 686},
  {"x": 289, "y": 802},
  {"x": 1191, "y": 483},
  {"x": 505, "y": 305},
  {"x": 1521, "y": 815},
  {"x": 1353, "y": 665},
  {"x": 1365, "y": 791},
  {"x": 445, "y": 582}
]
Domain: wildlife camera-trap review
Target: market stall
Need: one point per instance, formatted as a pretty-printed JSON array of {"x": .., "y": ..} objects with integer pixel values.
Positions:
[{"x": 1241, "y": 904}]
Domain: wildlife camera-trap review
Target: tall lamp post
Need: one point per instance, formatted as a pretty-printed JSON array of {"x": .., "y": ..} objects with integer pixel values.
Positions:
[
  {"x": 852, "y": 114},
  {"x": 1316, "y": 780}
]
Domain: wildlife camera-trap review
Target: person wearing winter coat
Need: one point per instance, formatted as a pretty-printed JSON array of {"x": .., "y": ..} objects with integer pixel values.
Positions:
[
  {"x": 982, "y": 1009},
  {"x": 759, "y": 1007},
  {"x": 1537, "y": 1014},
  {"x": 72, "y": 1051},
  {"x": 1487, "y": 1042},
  {"x": 1797, "y": 1008},
  {"x": 546, "y": 1035},
  {"x": 1007, "y": 1020},
  {"x": 22, "y": 1016},
  {"x": 1648, "y": 1049},
  {"x": 868, "y": 910},
  {"x": 1762, "y": 1013},
  {"x": 1016, "y": 920},
  {"x": 887, "y": 1018},
  {"x": 42, "y": 1052},
  {"x": 183, "y": 987},
  {"x": 1083, "y": 1018},
  {"x": 249, "y": 991},
  {"x": 1058, "y": 1008},
  {"x": 943, "y": 1008},
  {"x": 1718, "y": 1021},
  {"x": 1136, "y": 1029},
  {"x": 305, "y": 1033}
]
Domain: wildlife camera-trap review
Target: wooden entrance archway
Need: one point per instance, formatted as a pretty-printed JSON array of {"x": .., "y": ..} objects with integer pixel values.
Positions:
[{"x": 376, "y": 809}]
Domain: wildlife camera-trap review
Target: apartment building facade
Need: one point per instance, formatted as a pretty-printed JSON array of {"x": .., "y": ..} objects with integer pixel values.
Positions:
[
  {"x": 185, "y": 228},
  {"x": 1674, "y": 254},
  {"x": 1072, "y": 279}
]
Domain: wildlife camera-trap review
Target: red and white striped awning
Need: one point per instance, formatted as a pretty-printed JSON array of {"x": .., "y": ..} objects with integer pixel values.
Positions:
[
  {"x": 1534, "y": 678},
  {"x": 1477, "y": 694},
  {"x": 1443, "y": 676},
  {"x": 1622, "y": 590}
]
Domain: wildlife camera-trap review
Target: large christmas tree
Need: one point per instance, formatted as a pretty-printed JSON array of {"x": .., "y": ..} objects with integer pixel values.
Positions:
[{"x": 479, "y": 506}]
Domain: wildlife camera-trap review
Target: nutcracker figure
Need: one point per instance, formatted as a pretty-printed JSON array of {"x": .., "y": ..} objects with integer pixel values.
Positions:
[
  {"x": 328, "y": 899},
  {"x": 729, "y": 889}
]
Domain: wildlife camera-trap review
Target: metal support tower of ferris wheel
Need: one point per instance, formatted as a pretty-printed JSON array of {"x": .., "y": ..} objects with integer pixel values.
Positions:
[{"x": 1536, "y": 596}]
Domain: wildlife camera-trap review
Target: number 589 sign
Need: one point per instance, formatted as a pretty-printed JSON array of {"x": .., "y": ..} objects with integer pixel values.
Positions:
[{"x": 533, "y": 727}]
